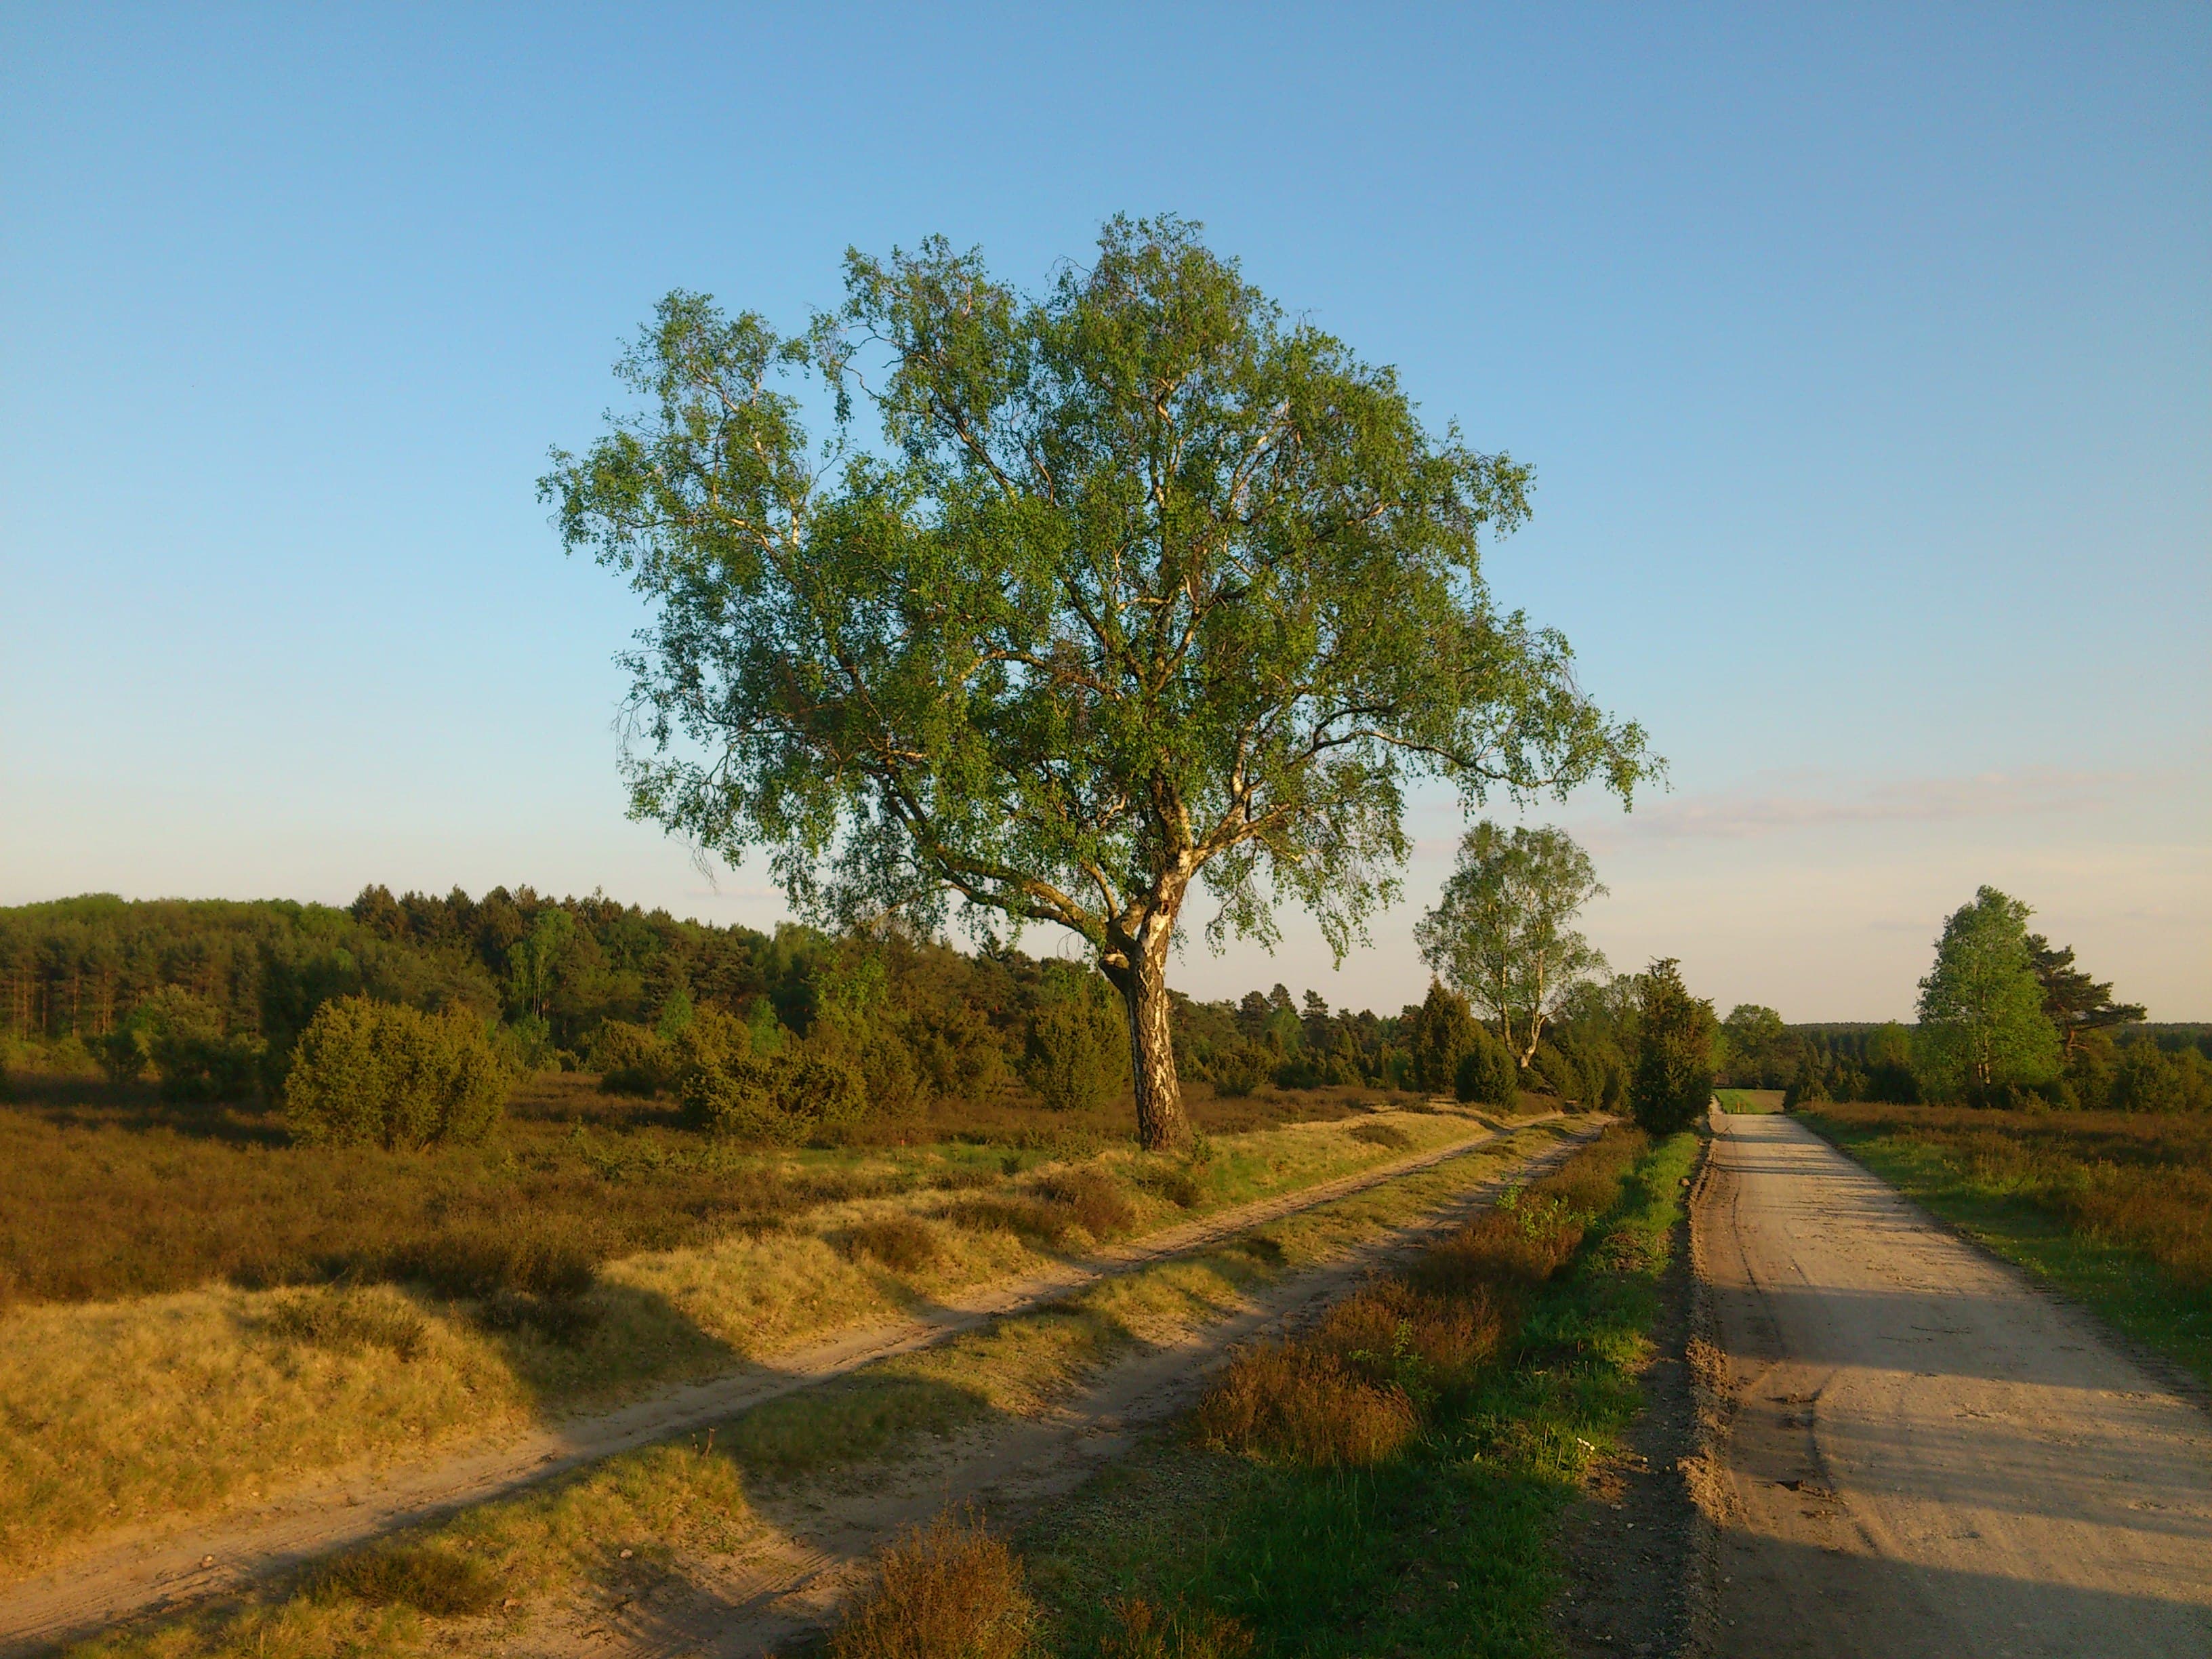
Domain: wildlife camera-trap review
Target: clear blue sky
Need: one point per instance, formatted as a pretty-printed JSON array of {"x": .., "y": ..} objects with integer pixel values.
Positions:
[{"x": 1864, "y": 358}]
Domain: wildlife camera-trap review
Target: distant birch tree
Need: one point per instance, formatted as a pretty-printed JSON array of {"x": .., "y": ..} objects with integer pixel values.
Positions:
[{"x": 1501, "y": 932}]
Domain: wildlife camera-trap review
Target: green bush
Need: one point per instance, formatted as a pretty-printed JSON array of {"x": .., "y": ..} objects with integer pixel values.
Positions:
[
  {"x": 1077, "y": 1057},
  {"x": 382, "y": 1073},
  {"x": 630, "y": 1060},
  {"x": 1673, "y": 1079},
  {"x": 1486, "y": 1074},
  {"x": 2146, "y": 1078},
  {"x": 810, "y": 1093},
  {"x": 1239, "y": 1069},
  {"x": 1443, "y": 1033},
  {"x": 183, "y": 1036}
]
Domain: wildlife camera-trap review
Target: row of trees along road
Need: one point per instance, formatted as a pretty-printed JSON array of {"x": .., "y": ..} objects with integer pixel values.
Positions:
[{"x": 1141, "y": 585}]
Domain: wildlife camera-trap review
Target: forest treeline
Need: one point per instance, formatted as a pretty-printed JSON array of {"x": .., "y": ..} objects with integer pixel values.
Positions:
[
  {"x": 2145, "y": 1068},
  {"x": 592, "y": 984}
]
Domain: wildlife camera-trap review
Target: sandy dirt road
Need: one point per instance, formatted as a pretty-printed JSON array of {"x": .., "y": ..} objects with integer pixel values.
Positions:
[
  {"x": 156, "y": 1571},
  {"x": 1922, "y": 1453}
]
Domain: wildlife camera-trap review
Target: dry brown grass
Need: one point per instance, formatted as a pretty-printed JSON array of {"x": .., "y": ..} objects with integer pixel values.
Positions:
[
  {"x": 155, "y": 1409},
  {"x": 1066, "y": 1202},
  {"x": 1296, "y": 1403},
  {"x": 2140, "y": 1179},
  {"x": 1355, "y": 1389},
  {"x": 112, "y": 1192},
  {"x": 426, "y": 1577},
  {"x": 950, "y": 1590},
  {"x": 1144, "y": 1632},
  {"x": 905, "y": 1244}
]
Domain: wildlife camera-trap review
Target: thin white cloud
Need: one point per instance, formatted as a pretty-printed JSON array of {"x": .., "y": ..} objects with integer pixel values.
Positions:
[{"x": 1742, "y": 815}]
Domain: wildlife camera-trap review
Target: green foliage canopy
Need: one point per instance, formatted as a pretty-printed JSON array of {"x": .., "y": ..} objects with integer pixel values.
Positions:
[
  {"x": 1502, "y": 930},
  {"x": 1674, "y": 1033},
  {"x": 1147, "y": 586},
  {"x": 1981, "y": 1020}
]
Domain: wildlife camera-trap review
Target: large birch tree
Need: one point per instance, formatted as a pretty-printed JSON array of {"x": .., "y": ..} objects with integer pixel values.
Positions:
[{"x": 1139, "y": 585}]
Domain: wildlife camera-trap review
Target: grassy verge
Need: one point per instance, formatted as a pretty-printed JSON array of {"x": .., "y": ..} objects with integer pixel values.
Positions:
[
  {"x": 448, "y": 1586},
  {"x": 1430, "y": 1537},
  {"x": 2112, "y": 1209}
]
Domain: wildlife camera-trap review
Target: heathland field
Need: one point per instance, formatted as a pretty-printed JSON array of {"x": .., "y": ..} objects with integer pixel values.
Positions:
[
  {"x": 1485, "y": 1374},
  {"x": 203, "y": 1316}
]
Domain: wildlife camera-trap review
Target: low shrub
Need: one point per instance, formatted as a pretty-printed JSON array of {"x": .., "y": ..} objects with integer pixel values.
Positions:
[
  {"x": 1090, "y": 1199},
  {"x": 1384, "y": 1135},
  {"x": 1293, "y": 1402},
  {"x": 1423, "y": 1343},
  {"x": 562, "y": 1320},
  {"x": 429, "y": 1579},
  {"x": 1176, "y": 1182},
  {"x": 1065, "y": 1202},
  {"x": 382, "y": 1073},
  {"x": 1031, "y": 1218},
  {"x": 630, "y": 1060},
  {"x": 483, "y": 1259},
  {"x": 343, "y": 1323},
  {"x": 901, "y": 1242},
  {"x": 950, "y": 1590},
  {"x": 1356, "y": 1388}
]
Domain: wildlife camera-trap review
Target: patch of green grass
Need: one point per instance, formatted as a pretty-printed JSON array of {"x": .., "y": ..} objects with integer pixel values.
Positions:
[
  {"x": 2027, "y": 1193},
  {"x": 1444, "y": 1550},
  {"x": 1738, "y": 1102}
]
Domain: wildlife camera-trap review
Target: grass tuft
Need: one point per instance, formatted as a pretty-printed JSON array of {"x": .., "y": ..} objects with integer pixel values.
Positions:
[
  {"x": 1291, "y": 1403},
  {"x": 423, "y": 1577},
  {"x": 340, "y": 1323},
  {"x": 950, "y": 1590},
  {"x": 905, "y": 1244},
  {"x": 1383, "y": 1135},
  {"x": 1144, "y": 1632}
]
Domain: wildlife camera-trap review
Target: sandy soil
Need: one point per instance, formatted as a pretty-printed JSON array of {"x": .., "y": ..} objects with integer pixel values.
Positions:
[
  {"x": 1919, "y": 1453},
  {"x": 153, "y": 1571}
]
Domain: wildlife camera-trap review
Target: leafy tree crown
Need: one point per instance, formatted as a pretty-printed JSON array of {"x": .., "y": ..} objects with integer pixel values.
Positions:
[{"x": 1143, "y": 583}]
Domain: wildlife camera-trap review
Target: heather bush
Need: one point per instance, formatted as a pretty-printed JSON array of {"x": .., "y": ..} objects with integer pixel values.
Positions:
[{"x": 947, "y": 1591}]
